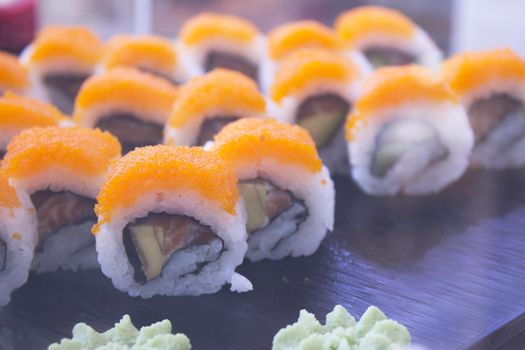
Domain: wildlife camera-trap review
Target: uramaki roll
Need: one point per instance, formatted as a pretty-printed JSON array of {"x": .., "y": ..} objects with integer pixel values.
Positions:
[
  {"x": 17, "y": 238},
  {"x": 491, "y": 86},
  {"x": 210, "y": 40},
  {"x": 287, "y": 192},
  {"x": 408, "y": 133},
  {"x": 315, "y": 89},
  {"x": 206, "y": 104},
  {"x": 59, "y": 60},
  {"x": 386, "y": 37},
  {"x": 170, "y": 223},
  {"x": 130, "y": 104},
  {"x": 18, "y": 113},
  {"x": 13, "y": 75},
  {"x": 61, "y": 169}
]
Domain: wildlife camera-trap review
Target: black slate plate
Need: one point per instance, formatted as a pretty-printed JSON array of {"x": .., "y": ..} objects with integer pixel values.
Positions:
[{"x": 450, "y": 266}]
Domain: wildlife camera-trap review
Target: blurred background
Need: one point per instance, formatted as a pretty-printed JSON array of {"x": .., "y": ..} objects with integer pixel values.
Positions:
[{"x": 454, "y": 24}]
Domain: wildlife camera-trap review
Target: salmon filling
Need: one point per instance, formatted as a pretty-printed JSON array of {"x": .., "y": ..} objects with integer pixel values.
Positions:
[
  {"x": 383, "y": 56},
  {"x": 63, "y": 89},
  {"x": 323, "y": 116},
  {"x": 151, "y": 242},
  {"x": 3, "y": 255},
  {"x": 56, "y": 210},
  {"x": 131, "y": 131},
  {"x": 499, "y": 119},
  {"x": 217, "y": 59},
  {"x": 401, "y": 137},
  {"x": 270, "y": 208},
  {"x": 211, "y": 127}
]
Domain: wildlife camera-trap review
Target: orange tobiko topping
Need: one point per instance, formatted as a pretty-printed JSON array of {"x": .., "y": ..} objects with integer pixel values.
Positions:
[
  {"x": 393, "y": 86},
  {"x": 364, "y": 21},
  {"x": 12, "y": 74},
  {"x": 23, "y": 112},
  {"x": 211, "y": 25},
  {"x": 8, "y": 197},
  {"x": 77, "y": 43},
  {"x": 307, "y": 66},
  {"x": 221, "y": 89},
  {"x": 83, "y": 151},
  {"x": 302, "y": 34},
  {"x": 158, "y": 169},
  {"x": 148, "y": 51},
  {"x": 469, "y": 70},
  {"x": 250, "y": 140}
]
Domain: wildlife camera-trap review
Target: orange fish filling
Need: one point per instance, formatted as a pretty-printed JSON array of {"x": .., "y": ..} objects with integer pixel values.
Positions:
[
  {"x": 149, "y": 51},
  {"x": 220, "y": 89},
  {"x": 156, "y": 169},
  {"x": 126, "y": 87},
  {"x": 251, "y": 140},
  {"x": 393, "y": 86},
  {"x": 23, "y": 112},
  {"x": 307, "y": 66},
  {"x": 12, "y": 74},
  {"x": 83, "y": 151},
  {"x": 57, "y": 42},
  {"x": 8, "y": 196},
  {"x": 467, "y": 71},
  {"x": 364, "y": 21},
  {"x": 210, "y": 26},
  {"x": 302, "y": 34}
]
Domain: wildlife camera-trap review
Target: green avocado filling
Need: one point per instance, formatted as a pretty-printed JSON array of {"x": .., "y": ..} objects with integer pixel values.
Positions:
[
  {"x": 374, "y": 331},
  {"x": 322, "y": 116},
  {"x": 125, "y": 336},
  {"x": 383, "y": 56}
]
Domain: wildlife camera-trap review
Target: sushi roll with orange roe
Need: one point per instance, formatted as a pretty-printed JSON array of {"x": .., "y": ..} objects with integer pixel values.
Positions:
[
  {"x": 61, "y": 169},
  {"x": 18, "y": 113},
  {"x": 491, "y": 86},
  {"x": 386, "y": 37},
  {"x": 293, "y": 36},
  {"x": 59, "y": 60},
  {"x": 408, "y": 133},
  {"x": 315, "y": 89},
  {"x": 17, "y": 238},
  {"x": 132, "y": 105},
  {"x": 212, "y": 40},
  {"x": 287, "y": 192},
  {"x": 149, "y": 53},
  {"x": 13, "y": 75},
  {"x": 170, "y": 223},
  {"x": 206, "y": 104}
]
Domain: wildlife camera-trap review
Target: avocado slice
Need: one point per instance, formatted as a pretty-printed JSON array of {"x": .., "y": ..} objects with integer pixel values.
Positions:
[
  {"x": 147, "y": 243},
  {"x": 254, "y": 197}
]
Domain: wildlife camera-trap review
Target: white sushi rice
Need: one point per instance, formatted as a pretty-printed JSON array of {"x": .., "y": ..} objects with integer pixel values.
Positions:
[
  {"x": 18, "y": 231},
  {"x": 174, "y": 279},
  {"x": 317, "y": 192},
  {"x": 488, "y": 153},
  {"x": 406, "y": 176}
]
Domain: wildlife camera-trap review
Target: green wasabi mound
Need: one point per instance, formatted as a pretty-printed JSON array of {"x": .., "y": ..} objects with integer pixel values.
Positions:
[
  {"x": 341, "y": 332},
  {"x": 125, "y": 336}
]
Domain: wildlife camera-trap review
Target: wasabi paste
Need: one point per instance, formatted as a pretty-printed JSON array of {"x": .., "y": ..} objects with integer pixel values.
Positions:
[
  {"x": 341, "y": 332},
  {"x": 124, "y": 337}
]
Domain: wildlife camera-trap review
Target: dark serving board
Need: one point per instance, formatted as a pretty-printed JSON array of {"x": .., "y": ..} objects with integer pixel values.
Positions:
[{"x": 451, "y": 267}]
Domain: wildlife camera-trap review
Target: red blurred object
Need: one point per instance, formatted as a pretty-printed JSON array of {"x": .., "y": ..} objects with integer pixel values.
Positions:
[{"x": 17, "y": 25}]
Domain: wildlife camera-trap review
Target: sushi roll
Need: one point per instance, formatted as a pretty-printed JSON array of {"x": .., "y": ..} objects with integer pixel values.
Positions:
[
  {"x": 315, "y": 89},
  {"x": 18, "y": 113},
  {"x": 287, "y": 192},
  {"x": 59, "y": 60},
  {"x": 61, "y": 170},
  {"x": 130, "y": 104},
  {"x": 17, "y": 238},
  {"x": 408, "y": 133},
  {"x": 170, "y": 223},
  {"x": 211, "y": 40},
  {"x": 387, "y": 37},
  {"x": 206, "y": 104},
  {"x": 491, "y": 86},
  {"x": 13, "y": 75},
  {"x": 149, "y": 53}
]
